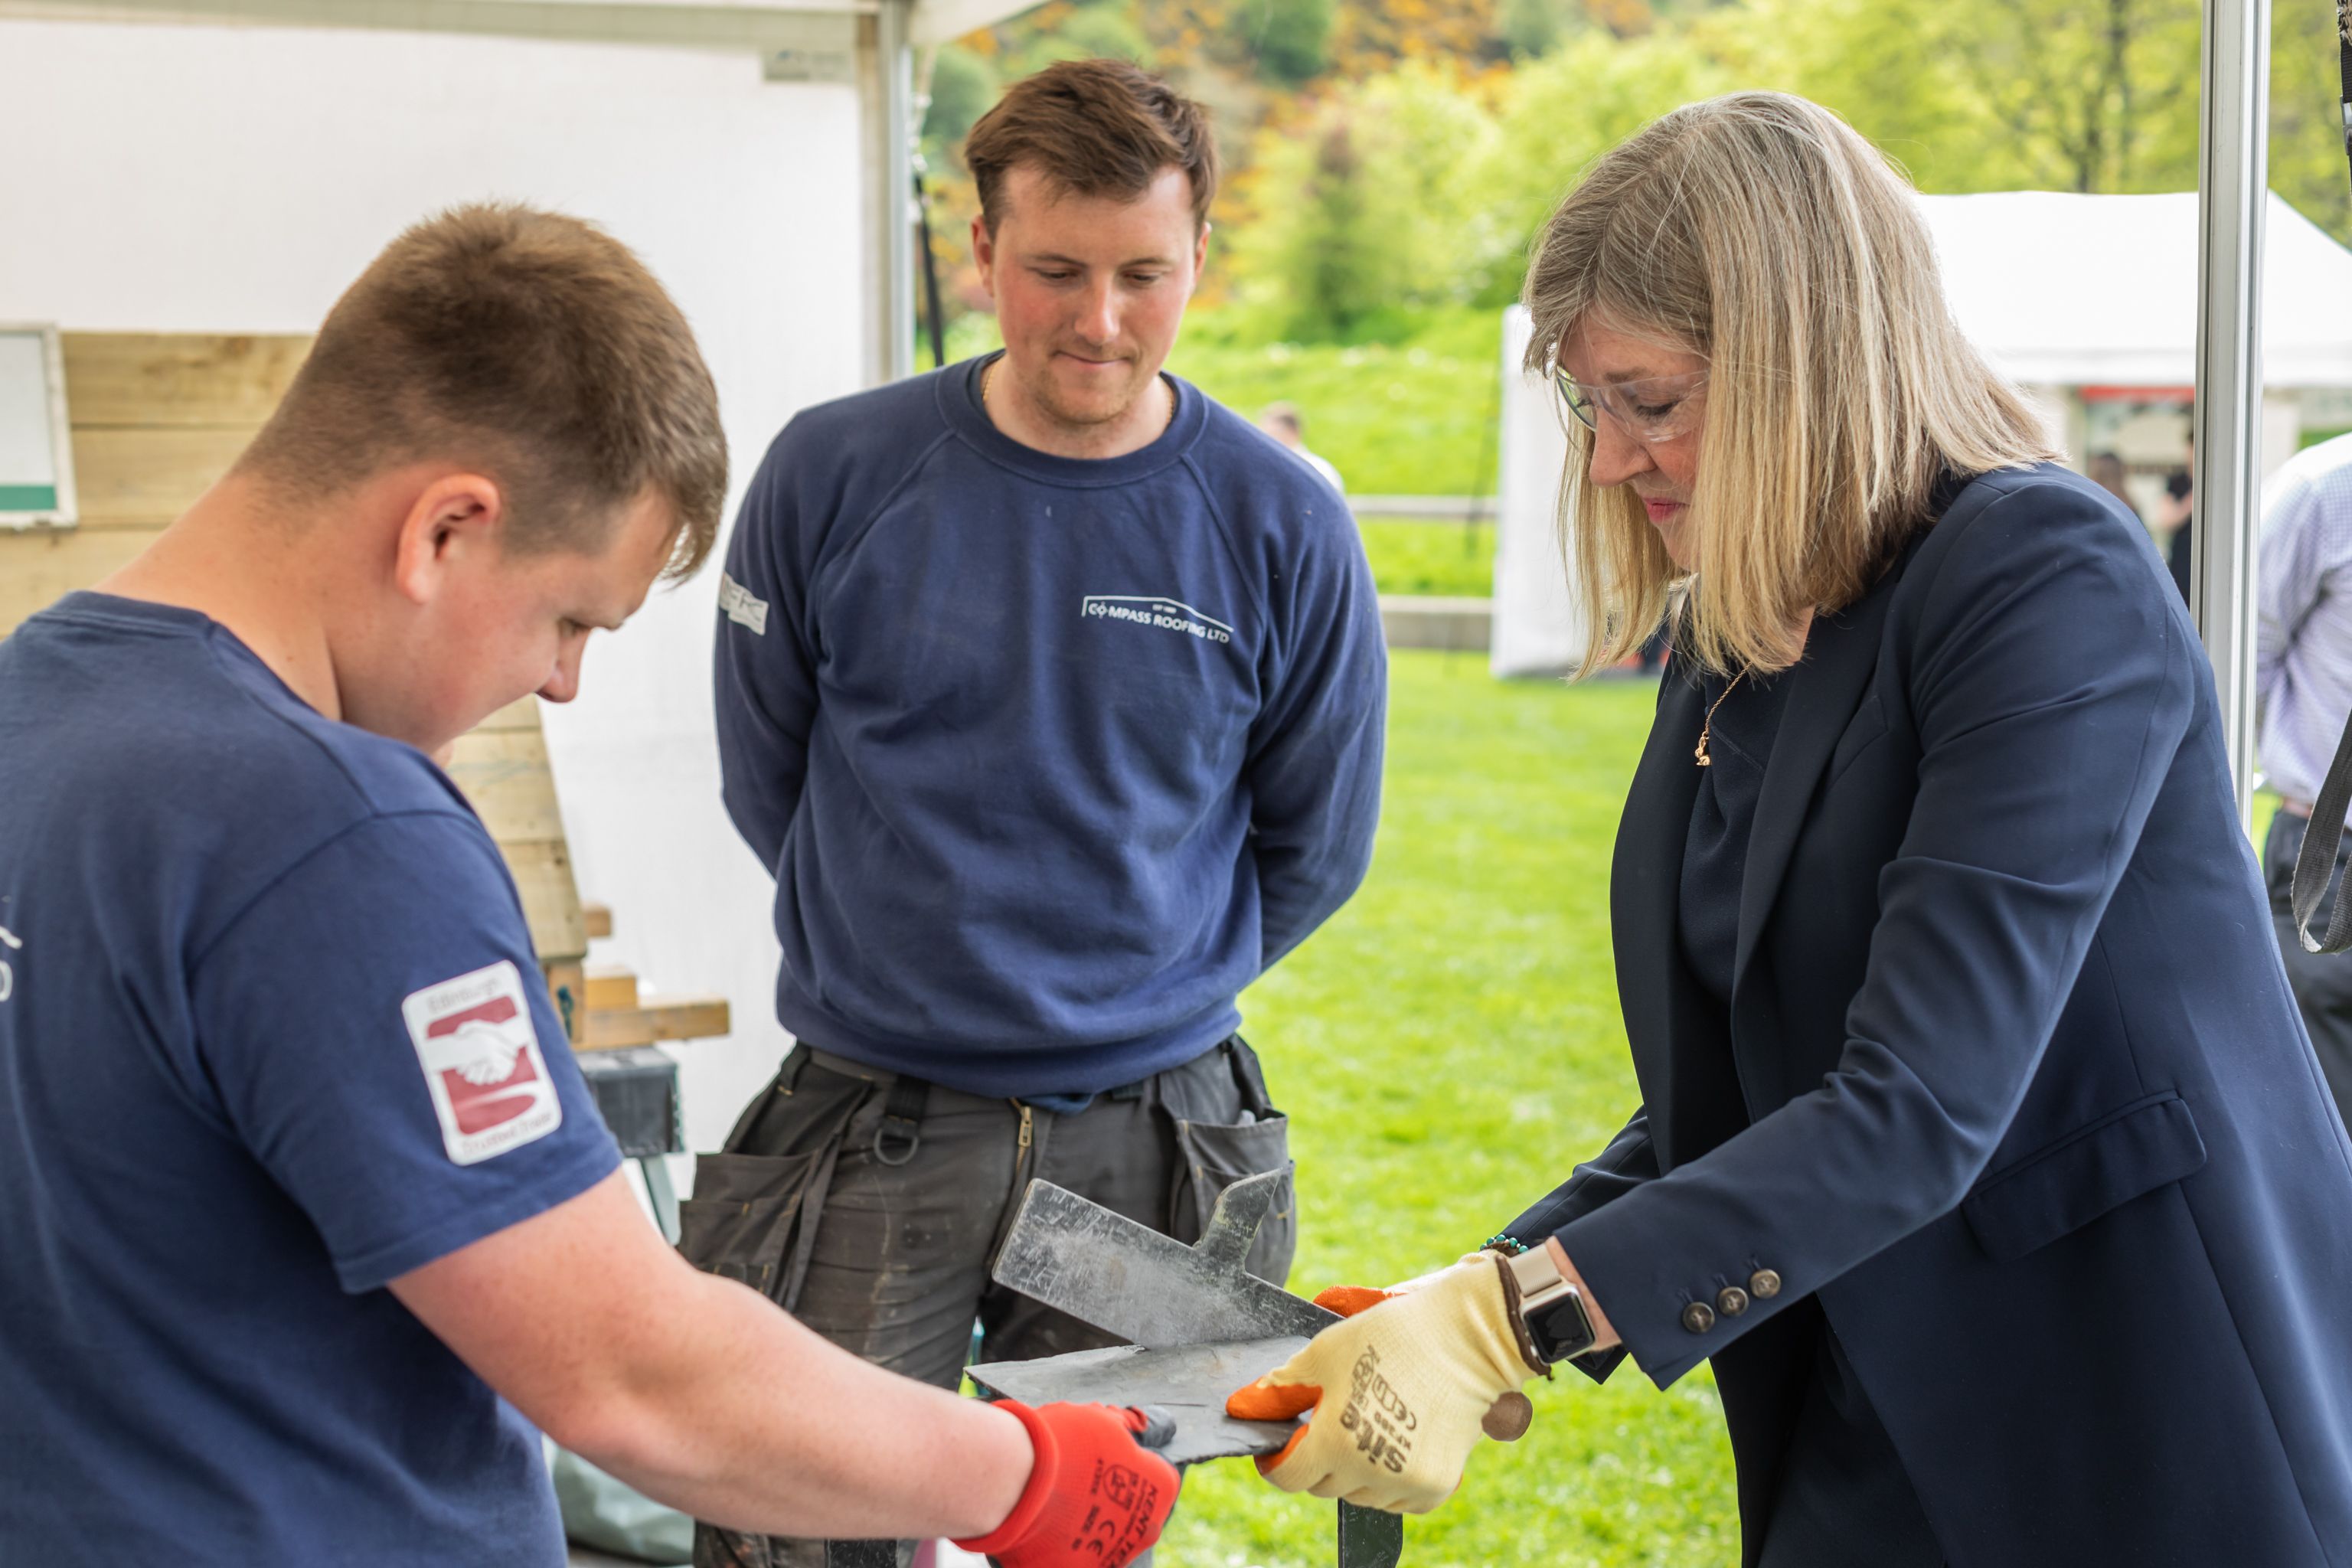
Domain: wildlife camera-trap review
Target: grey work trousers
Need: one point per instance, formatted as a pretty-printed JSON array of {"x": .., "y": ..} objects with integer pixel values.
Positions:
[
  {"x": 2322, "y": 981},
  {"x": 884, "y": 1251}
]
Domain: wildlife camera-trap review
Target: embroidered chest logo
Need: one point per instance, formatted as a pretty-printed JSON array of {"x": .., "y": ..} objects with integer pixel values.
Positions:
[
  {"x": 483, "y": 1064},
  {"x": 1152, "y": 610}
]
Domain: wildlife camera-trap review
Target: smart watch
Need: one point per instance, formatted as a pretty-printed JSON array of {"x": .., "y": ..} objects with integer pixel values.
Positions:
[{"x": 1550, "y": 1308}]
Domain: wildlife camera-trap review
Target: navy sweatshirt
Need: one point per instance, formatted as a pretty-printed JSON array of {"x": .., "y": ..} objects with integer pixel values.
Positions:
[{"x": 1049, "y": 757}]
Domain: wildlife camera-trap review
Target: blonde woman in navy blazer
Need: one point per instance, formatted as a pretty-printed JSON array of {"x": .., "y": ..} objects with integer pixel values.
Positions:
[{"x": 1981, "y": 1150}]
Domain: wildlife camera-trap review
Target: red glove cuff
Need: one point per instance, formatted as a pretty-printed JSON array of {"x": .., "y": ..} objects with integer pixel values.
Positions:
[{"x": 1034, "y": 1495}]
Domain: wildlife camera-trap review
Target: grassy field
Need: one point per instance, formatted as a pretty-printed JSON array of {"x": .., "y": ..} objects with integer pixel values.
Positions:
[
  {"x": 1413, "y": 557},
  {"x": 1448, "y": 1047},
  {"x": 1412, "y": 417}
]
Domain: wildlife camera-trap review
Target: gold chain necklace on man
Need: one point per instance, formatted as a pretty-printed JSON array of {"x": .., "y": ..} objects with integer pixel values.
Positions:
[
  {"x": 1705, "y": 729},
  {"x": 988, "y": 376}
]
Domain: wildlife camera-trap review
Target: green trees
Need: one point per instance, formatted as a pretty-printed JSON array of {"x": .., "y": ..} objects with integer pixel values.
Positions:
[{"x": 1396, "y": 156}]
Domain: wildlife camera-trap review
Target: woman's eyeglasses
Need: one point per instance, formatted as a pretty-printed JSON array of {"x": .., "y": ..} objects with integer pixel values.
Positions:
[{"x": 1660, "y": 408}]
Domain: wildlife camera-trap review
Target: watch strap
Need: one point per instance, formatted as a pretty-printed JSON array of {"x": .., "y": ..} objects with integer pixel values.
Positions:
[{"x": 1512, "y": 1298}]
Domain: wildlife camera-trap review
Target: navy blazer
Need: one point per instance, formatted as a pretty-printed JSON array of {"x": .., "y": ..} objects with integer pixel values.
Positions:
[{"x": 2014, "y": 1091}]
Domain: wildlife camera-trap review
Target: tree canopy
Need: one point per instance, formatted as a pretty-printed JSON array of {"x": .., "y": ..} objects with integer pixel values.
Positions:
[{"x": 1390, "y": 156}]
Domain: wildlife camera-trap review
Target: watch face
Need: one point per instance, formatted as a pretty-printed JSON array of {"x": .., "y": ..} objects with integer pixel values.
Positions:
[{"x": 1559, "y": 1328}]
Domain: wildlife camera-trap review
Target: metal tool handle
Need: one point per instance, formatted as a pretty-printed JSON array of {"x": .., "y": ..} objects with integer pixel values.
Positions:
[{"x": 1369, "y": 1538}]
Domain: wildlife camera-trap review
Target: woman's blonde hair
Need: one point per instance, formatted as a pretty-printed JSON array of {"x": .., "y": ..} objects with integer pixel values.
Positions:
[{"x": 1759, "y": 231}]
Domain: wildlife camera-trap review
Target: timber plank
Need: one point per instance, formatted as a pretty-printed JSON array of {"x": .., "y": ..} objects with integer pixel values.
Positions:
[
  {"x": 178, "y": 378},
  {"x": 41, "y": 566},
  {"x": 541, "y": 868},
  {"x": 611, "y": 986},
  {"x": 678, "y": 1019},
  {"x": 505, "y": 773},
  {"x": 143, "y": 475}
]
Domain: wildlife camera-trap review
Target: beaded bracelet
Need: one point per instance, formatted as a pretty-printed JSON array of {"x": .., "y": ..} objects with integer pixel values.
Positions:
[{"x": 1504, "y": 1241}]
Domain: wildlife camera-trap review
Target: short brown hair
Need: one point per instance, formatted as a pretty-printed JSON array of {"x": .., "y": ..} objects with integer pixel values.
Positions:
[
  {"x": 1093, "y": 128},
  {"x": 532, "y": 344}
]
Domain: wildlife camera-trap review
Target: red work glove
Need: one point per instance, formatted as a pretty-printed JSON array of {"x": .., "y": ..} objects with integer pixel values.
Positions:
[{"x": 1095, "y": 1498}]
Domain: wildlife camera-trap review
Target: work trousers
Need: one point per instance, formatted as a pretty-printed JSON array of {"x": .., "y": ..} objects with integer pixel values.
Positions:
[
  {"x": 2322, "y": 981},
  {"x": 878, "y": 1230}
]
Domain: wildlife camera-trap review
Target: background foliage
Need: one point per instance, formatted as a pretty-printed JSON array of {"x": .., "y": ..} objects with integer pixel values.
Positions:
[{"x": 1394, "y": 157}]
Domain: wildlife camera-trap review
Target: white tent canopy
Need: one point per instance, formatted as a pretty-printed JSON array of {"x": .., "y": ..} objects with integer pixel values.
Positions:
[
  {"x": 2073, "y": 290},
  {"x": 2060, "y": 291}
]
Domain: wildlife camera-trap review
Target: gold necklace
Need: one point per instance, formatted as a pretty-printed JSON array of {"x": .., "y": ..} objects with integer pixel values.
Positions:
[
  {"x": 988, "y": 377},
  {"x": 1705, "y": 729}
]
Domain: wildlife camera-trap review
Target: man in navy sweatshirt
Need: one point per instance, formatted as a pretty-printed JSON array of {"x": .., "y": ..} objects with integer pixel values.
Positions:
[{"x": 1050, "y": 692}]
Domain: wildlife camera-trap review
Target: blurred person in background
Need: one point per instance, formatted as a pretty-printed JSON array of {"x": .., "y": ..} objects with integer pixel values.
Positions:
[
  {"x": 2107, "y": 471},
  {"x": 1981, "y": 1149},
  {"x": 1281, "y": 421},
  {"x": 2302, "y": 682},
  {"x": 2176, "y": 520}
]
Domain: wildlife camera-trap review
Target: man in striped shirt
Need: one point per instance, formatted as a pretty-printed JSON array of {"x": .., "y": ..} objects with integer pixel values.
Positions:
[{"x": 2302, "y": 680}]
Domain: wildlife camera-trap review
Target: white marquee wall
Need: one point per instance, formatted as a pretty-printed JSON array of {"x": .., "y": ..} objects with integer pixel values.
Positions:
[{"x": 160, "y": 178}]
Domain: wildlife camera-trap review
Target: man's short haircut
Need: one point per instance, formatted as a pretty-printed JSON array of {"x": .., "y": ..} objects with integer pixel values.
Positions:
[
  {"x": 1093, "y": 128},
  {"x": 530, "y": 345}
]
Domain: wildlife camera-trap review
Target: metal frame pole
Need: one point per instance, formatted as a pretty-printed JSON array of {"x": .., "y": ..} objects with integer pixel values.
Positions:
[
  {"x": 2232, "y": 188},
  {"x": 886, "y": 94}
]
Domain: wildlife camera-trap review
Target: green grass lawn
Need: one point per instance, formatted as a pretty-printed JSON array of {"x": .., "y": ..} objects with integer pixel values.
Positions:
[
  {"x": 1414, "y": 417},
  {"x": 1443, "y": 558},
  {"x": 1448, "y": 1046}
]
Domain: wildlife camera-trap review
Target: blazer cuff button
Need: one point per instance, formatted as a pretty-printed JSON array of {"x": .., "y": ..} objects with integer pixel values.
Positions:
[
  {"x": 1764, "y": 1284},
  {"x": 1731, "y": 1300},
  {"x": 1698, "y": 1317}
]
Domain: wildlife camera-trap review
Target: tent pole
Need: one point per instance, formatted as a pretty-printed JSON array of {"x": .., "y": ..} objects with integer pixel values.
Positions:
[
  {"x": 2232, "y": 188},
  {"x": 886, "y": 106}
]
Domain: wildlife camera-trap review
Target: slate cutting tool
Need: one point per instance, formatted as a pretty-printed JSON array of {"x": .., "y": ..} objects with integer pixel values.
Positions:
[{"x": 1197, "y": 1324}]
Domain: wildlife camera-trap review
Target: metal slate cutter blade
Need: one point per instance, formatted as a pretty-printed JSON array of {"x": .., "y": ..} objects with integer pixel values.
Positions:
[
  {"x": 1150, "y": 1289},
  {"x": 1198, "y": 1324}
]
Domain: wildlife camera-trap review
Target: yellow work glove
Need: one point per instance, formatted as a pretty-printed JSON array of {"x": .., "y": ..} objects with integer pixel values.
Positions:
[{"x": 1413, "y": 1376}]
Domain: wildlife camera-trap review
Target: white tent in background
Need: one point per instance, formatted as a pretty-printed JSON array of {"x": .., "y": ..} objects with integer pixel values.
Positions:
[{"x": 2065, "y": 294}]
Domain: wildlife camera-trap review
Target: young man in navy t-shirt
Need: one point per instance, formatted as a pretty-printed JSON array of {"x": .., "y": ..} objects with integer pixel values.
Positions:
[
  {"x": 1050, "y": 692},
  {"x": 305, "y": 1218}
]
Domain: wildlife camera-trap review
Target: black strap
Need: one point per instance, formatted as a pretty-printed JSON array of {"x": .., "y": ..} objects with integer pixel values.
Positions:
[
  {"x": 1252, "y": 1078},
  {"x": 901, "y": 1131},
  {"x": 2315, "y": 862},
  {"x": 2344, "y": 63}
]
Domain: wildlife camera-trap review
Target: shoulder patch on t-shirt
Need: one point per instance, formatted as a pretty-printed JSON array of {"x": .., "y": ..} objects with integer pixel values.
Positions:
[
  {"x": 483, "y": 1064},
  {"x": 741, "y": 606}
]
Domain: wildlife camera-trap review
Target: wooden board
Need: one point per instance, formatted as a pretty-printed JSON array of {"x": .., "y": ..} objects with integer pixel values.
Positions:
[
  {"x": 153, "y": 475},
  {"x": 611, "y": 987},
  {"x": 39, "y": 567},
  {"x": 506, "y": 775},
  {"x": 676, "y": 1018},
  {"x": 173, "y": 379}
]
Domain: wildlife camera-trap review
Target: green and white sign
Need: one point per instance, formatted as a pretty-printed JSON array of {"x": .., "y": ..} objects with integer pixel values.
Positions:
[{"x": 35, "y": 453}]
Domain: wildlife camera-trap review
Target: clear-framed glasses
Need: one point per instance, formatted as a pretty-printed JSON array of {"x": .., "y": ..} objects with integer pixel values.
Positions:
[{"x": 1660, "y": 408}]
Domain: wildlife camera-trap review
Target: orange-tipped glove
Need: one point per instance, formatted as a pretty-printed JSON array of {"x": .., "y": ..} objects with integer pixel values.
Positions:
[
  {"x": 1095, "y": 1498},
  {"x": 1421, "y": 1370}
]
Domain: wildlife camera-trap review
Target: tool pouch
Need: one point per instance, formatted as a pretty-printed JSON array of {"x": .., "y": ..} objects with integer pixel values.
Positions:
[
  {"x": 1222, "y": 1136},
  {"x": 756, "y": 1203}
]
